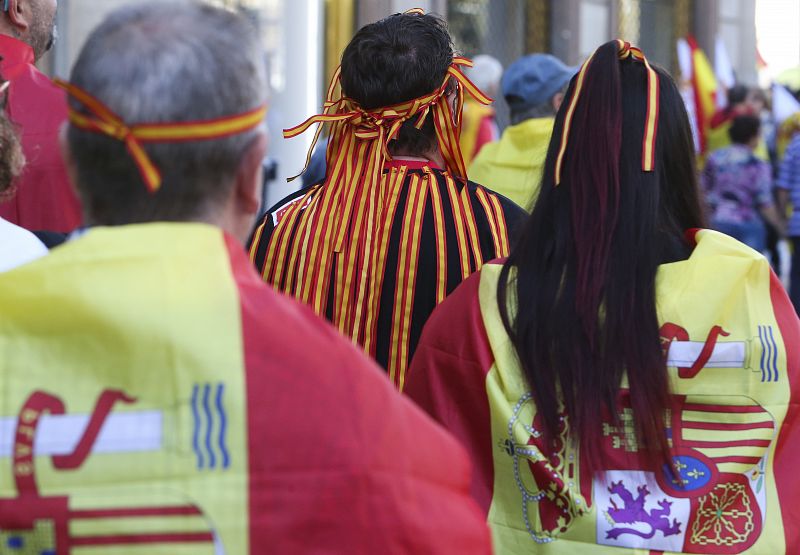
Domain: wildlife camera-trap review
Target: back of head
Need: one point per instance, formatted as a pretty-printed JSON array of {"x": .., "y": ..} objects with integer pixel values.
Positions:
[
  {"x": 165, "y": 62},
  {"x": 744, "y": 129},
  {"x": 587, "y": 260},
  {"x": 397, "y": 59},
  {"x": 737, "y": 94}
]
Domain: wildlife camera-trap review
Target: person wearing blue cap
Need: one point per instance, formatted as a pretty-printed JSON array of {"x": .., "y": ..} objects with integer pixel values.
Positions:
[{"x": 533, "y": 87}]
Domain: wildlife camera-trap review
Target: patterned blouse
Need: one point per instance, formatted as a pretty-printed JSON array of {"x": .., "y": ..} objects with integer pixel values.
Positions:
[{"x": 737, "y": 184}]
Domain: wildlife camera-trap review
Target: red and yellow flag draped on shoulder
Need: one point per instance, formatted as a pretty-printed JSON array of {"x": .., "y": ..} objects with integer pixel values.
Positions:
[
  {"x": 159, "y": 398},
  {"x": 732, "y": 342},
  {"x": 381, "y": 242}
]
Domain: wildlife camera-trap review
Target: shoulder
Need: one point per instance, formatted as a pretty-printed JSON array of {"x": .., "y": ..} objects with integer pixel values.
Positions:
[
  {"x": 274, "y": 216},
  {"x": 18, "y": 246},
  {"x": 514, "y": 214},
  {"x": 36, "y": 101},
  {"x": 300, "y": 199}
]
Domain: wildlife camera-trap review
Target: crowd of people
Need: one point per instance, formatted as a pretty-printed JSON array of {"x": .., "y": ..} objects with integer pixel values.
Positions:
[{"x": 554, "y": 340}]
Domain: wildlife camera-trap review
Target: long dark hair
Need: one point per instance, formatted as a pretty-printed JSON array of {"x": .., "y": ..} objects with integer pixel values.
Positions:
[{"x": 581, "y": 278}]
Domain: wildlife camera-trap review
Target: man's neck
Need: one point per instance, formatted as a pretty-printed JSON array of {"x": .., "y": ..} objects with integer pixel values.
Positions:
[
  {"x": 7, "y": 29},
  {"x": 434, "y": 156}
]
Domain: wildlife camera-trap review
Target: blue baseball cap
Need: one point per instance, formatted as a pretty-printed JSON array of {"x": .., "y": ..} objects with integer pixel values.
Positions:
[{"x": 533, "y": 80}]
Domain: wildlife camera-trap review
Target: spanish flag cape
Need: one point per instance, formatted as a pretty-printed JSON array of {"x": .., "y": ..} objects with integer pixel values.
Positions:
[
  {"x": 158, "y": 398},
  {"x": 381, "y": 242},
  {"x": 732, "y": 342}
]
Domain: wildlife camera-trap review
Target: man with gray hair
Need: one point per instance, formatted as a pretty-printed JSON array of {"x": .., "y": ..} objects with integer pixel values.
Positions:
[
  {"x": 44, "y": 198},
  {"x": 182, "y": 404},
  {"x": 533, "y": 87}
]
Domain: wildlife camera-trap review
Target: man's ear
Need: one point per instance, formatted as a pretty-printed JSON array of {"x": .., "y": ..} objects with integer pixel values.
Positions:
[
  {"x": 250, "y": 176},
  {"x": 19, "y": 13}
]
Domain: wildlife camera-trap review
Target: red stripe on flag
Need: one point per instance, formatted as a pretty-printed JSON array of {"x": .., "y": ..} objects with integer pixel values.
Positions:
[
  {"x": 727, "y": 409},
  {"x": 137, "y": 512},
  {"x": 131, "y": 539},
  {"x": 740, "y": 460},
  {"x": 728, "y": 427},
  {"x": 723, "y": 443}
]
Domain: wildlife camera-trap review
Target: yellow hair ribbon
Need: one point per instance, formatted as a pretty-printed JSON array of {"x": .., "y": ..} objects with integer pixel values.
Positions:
[{"x": 625, "y": 50}]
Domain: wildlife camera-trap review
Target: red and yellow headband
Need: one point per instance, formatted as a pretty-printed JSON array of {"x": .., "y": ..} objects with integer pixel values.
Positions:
[
  {"x": 383, "y": 124},
  {"x": 651, "y": 121},
  {"x": 103, "y": 121}
]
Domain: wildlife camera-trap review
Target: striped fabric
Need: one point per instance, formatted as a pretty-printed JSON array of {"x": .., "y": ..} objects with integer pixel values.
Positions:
[{"x": 408, "y": 243}]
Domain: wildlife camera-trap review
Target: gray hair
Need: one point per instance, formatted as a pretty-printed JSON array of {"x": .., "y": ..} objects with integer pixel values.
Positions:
[
  {"x": 543, "y": 110},
  {"x": 166, "y": 62}
]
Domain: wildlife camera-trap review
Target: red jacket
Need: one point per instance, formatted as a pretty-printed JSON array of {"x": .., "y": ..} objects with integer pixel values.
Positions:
[{"x": 44, "y": 198}]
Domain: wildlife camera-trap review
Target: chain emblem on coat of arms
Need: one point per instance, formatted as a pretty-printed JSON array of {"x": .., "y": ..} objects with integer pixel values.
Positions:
[{"x": 724, "y": 517}]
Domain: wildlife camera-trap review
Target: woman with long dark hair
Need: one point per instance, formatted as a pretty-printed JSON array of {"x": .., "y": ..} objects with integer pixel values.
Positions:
[{"x": 625, "y": 378}]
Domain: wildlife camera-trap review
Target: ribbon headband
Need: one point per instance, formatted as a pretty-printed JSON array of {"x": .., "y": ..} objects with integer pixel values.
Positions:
[
  {"x": 651, "y": 122},
  {"x": 383, "y": 124},
  {"x": 105, "y": 122}
]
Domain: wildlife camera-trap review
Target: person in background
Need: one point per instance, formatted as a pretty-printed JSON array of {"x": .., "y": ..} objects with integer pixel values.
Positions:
[
  {"x": 625, "y": 382},
  {"x": 17, "y": 245},
  {"x": 478, "y": 125},
  {"x": 789, "y": 185},
  {"x": 738, "y": 187},
  {"x": 533, "y": 87},
  {"x": 395, "y": 226},
  {"x": 187, "y": 407},
  {"x": 742, "y": 101},
  {"x": 44, "y": 199}
]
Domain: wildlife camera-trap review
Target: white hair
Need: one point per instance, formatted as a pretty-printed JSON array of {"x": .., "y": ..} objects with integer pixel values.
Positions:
[{"x": 486, "y": 72}]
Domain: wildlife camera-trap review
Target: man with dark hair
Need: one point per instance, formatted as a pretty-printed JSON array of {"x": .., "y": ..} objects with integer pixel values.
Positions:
[
  {"x": 738, "y": 186},
  {"x": 44, "y": 198},
  {"x": 533, "y": 87},
  {"x": 190, "y": 408},
  {"x": 395, "y": 226}
]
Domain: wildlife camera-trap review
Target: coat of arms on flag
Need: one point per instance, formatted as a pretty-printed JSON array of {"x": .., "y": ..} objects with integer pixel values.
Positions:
[{"x": 33, "y": 523}]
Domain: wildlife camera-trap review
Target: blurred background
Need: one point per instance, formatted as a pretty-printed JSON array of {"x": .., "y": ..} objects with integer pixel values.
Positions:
[{"x": 751, "y": 42}]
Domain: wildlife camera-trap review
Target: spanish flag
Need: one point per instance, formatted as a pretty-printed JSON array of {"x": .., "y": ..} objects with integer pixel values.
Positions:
[
  {"x": 704, "y": 87},
  {"x": 158, "y": 398},
  {"x": 731, "y": 341}
]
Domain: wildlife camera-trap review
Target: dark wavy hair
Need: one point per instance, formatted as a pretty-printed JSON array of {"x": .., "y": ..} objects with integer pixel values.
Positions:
[
  {"x": 584, "y": 269},
  {"x": 397, "y": 59}
]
